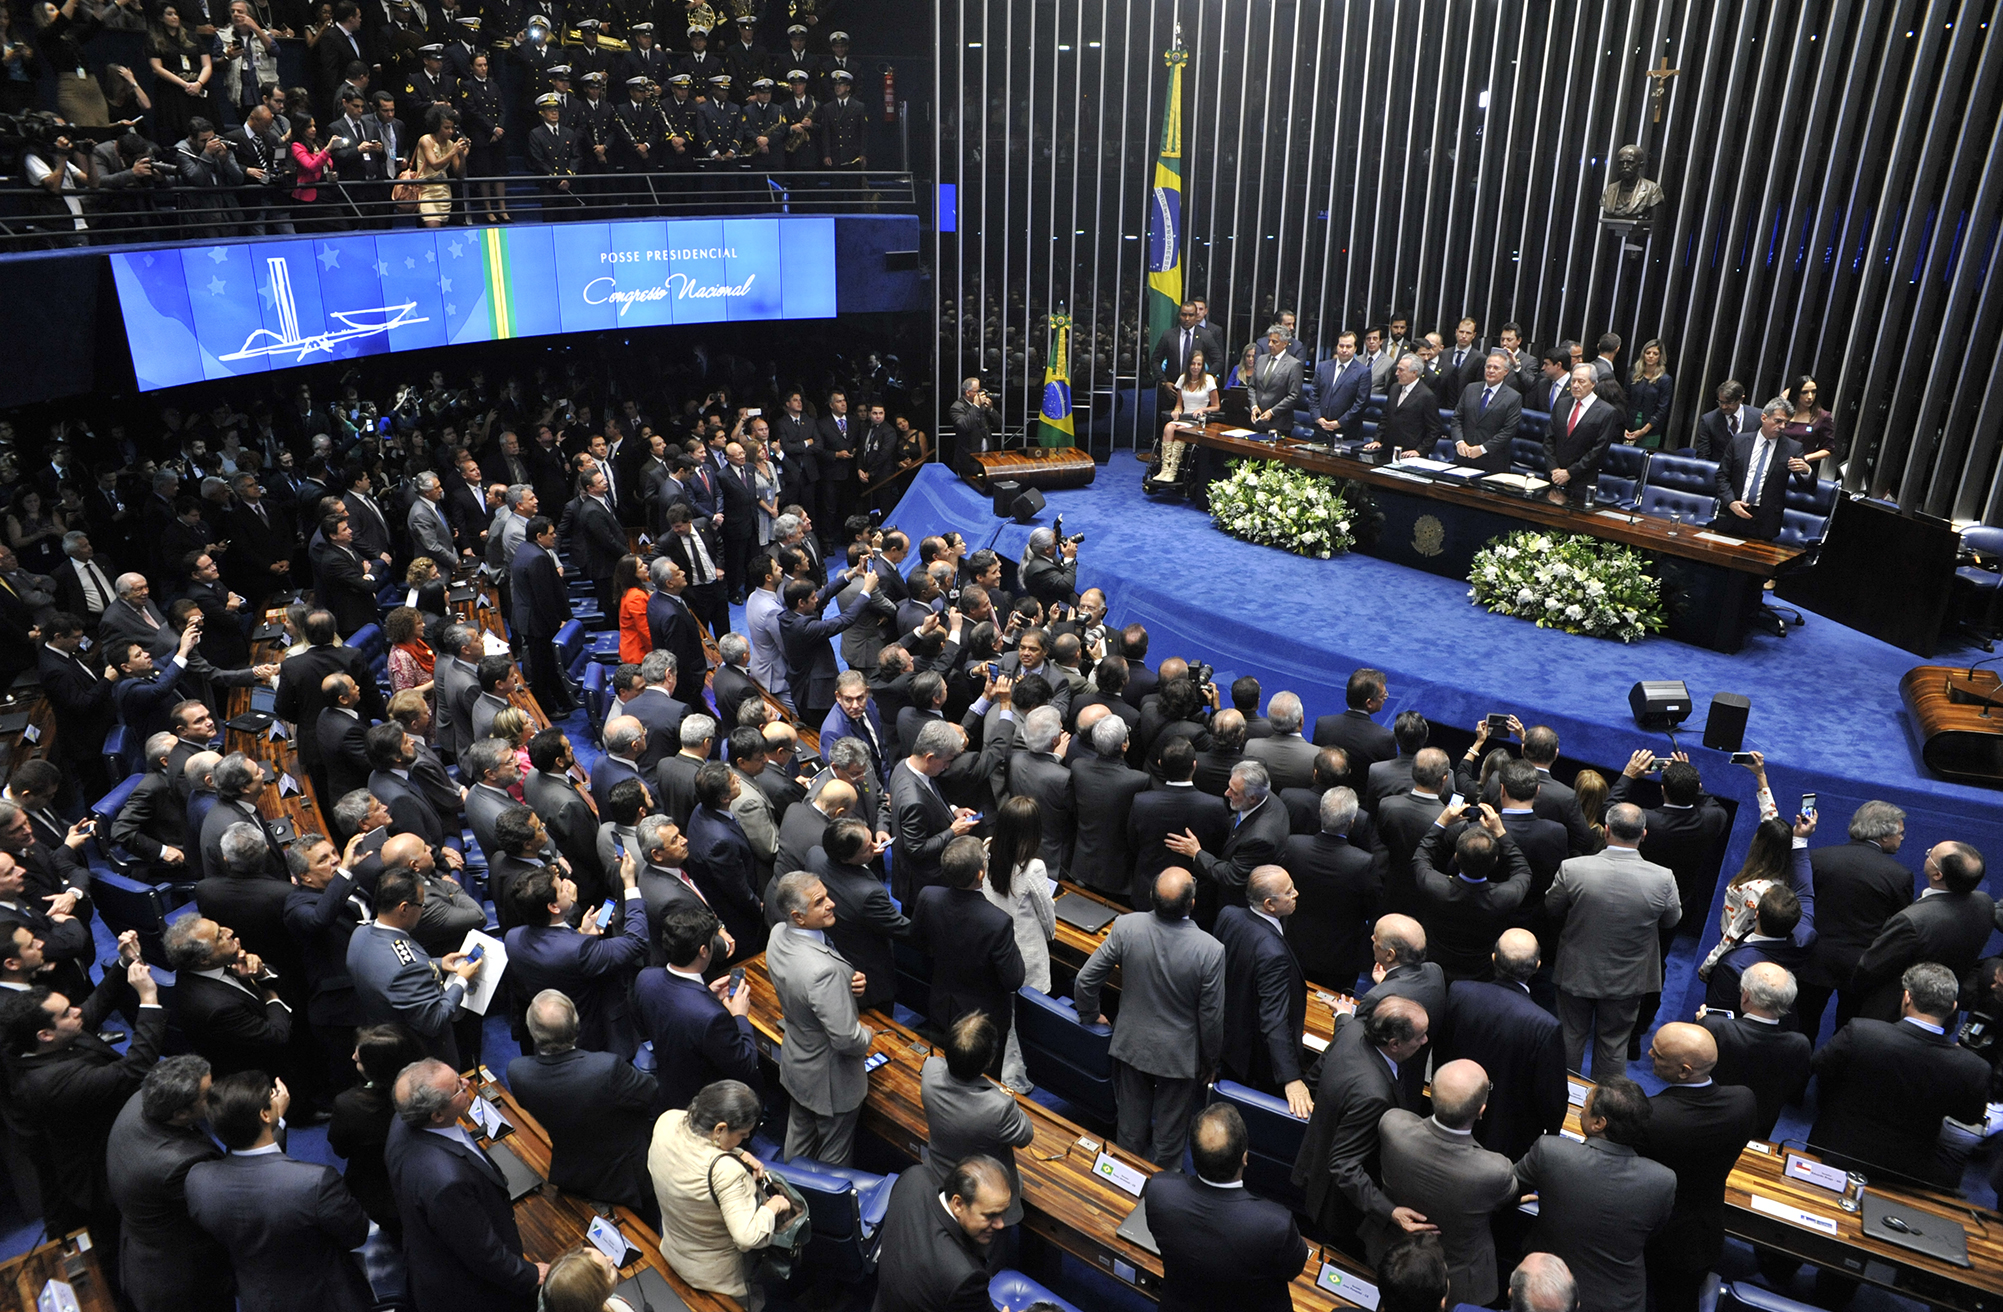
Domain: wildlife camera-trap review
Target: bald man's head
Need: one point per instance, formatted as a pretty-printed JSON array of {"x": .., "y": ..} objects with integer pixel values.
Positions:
[
  {"x": 1398, "y": 941},
  {"x": 1767, "y": 989},
  {"x": 1683, "y": 1053},
  {"x": 1267, "y": 884},
  {"x": 1460, "y": 1091},
  {"x": 1174, "y": 893},
  {"x": 836, "y": 798},
  {"x": 1543, "y": 1283},
  {"x": 1091, "y": 715},
  {"x": 405, "y": 850},
  {"x": 1516, "y": 956}
]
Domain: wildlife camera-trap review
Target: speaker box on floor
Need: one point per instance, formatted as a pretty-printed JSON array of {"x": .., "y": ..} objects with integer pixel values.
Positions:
[
  {"x": 1659, "y": 704},
  {"x": 1027, "y": 506},
  {"x": 1005, "y": 491},
  {"x": 1725, "y": 727}
]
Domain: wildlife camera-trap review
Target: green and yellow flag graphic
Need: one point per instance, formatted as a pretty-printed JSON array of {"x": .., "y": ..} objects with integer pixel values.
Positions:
[
  {"x": 1054, "y": 425},
  {"x": 1164, "y": 294}
]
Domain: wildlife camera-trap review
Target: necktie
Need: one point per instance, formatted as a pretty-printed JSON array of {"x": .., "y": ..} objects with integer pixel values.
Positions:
[
  {"x": 443, "y": 522},
  {"x": 1556, "y": 389},
  {"x": 1487, "y": 393},
  {"x": 841, "y": 424},
  {"x": 1758, "y": 475},
  {"x": 1458, "y": 357},
  {"x": 146, "y": 613},
  {"x": 257, "y": 508},
  {"x": 701, "y": 558},
  {"x": 1573, "y": 422},
  {"x": 1185, "y": 348}
]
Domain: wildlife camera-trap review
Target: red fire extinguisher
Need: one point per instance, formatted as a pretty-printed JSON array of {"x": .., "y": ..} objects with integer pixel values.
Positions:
[{"x": 889, "y": 94}]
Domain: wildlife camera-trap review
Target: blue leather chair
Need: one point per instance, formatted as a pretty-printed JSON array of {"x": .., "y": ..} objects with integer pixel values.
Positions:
[
  {"x": 1065, "y": 1056},
  {"x": 1444, "y": 450},
  {"x": 1693, "y": 508},
  {"x": 597, "y": 698},
  {"x": 1621, "y": 476},
  {"x": 604, "y": 647},
  {"x": 1012, "y": 1291},
  {"x": 132, "y": 904},
  {"x": 1744, "y": 1296},
  {"x": 1527, "y": 453},
  {"x": 846, "y": 1209},
  {"x": 1683, "y": 474},
  {"x": 106, "y": 808},
  {"x": 1799, "y": 528},
  {"x": 1817, "y": 500},
  {"x": 1976, "y": 582},
  {"x": 1273, "y": 1134},
  {"x": 570, "y": 646},
  {"x": 115, "y": 763}
]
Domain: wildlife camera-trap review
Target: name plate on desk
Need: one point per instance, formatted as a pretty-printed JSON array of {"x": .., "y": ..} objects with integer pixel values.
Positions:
[
  {"x": 1822, "y": 1177},
  {"x": 1350, "y": 1288},
  {"x": 1126, "y": 1177},
  {"x": 493, "y": 1122},
  {"x": 1576, "y": 1094},
  {"x": 1794, "y": 1215},
  {"x": 609, "y": 1240}
]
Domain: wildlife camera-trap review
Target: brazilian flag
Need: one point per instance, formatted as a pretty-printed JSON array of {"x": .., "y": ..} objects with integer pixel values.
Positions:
[
  {"x": 1164, "y": 294},
  {"x": 1054, "y": 425}
]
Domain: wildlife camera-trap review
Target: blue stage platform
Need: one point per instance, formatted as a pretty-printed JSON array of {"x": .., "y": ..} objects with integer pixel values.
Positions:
[{"x": 1825, "y": 699}]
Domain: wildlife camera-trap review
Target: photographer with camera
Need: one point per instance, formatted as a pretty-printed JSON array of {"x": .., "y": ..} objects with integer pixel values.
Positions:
[
  {"x": 1050, "y": 573},
  {"x": 55, "y": 162},
  {"x": 976, "y": 423}
]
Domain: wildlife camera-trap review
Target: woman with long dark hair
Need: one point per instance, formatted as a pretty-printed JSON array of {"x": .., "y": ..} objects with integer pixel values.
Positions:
[
  {"x": 181, "y": 73},
  {"x": 1811, "y": 425},
  {"x": 1774, "y": 858},
  {"x": 1018, "y": 883},
  {"x": 631, "y": 591}
]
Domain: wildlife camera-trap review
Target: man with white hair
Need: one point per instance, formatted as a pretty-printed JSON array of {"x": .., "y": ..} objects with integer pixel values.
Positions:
[
  {"x": 1050, "y": 573},
  {"x": 1577, "y": 441},
  {"x": 1259, "y": 831},
  {"x": 976, "y": 423},
  {"x": 924, "y": 821},
  {"x": 1036, "y": 769},
  {"x": 132, "y": 617},
  {"x": 82, "y": 587},
  {"x": 430, "y": 530},
  {"x": 625, "y": 742},
  {"x": 1103, "y": 787},
  {"x": 1287, "y": 756},
  {"x": 673, "y": 629}
]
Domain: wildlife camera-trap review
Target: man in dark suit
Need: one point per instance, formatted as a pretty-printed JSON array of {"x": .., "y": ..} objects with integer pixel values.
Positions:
[
  {"x": 1173, "y": 806},
  {"x": 1389, "y": 778},
  {"x": 349, "y": 579},
  {"x": 343, "y": 737},
  {"x": 701, "y": 1032},
  {"x": 1949, "y": 924},
  {"x": 810, "y": 658},
  {"x": 1402, "y": 821},
  {"x": 301, "y": 683},
  {"x": 837, "y": 461},
  {"x": 1555, "y": 800},
  {"x": 80, "y": 695},
  {"x": 1259, "y": 830},
  {"x": 1265, "y": 994},
  {"x": 1222, "y": 1246},
  {"x": 458, "y": 1225},
  {"x": 923, "y": 821},
  {"x": 1754, "y": 473},
  {"x": 239, "y": 783},
  {"x": 1463, "y": 909},
  {"x": 1578, "y": 439},
  {"x": 542, "y": 604},
  {"x": 1037, "y": 770},
  {"x": 1275, "y": 384},
  {"x": 935, "y": 1242},
  {"x": 287, "y": 1225},
  {"x": 224, "y": 1006},
  {"x": 1341, "y": 386},
  {"x": 1599, "y": 1201},
  {"x": 674, "y": 627},
  {"x": 1718, "y": 429},
  {"x": 1757, "y": 1049},
  {"x": 866, "y": 924},
  {"x": 1776, "y": 916},
  {"x": 331, "y": 58},
  {"x": 591, "y": 970},
  {"x": 1859, "y": 887},
  {"x": 1360, "y": 737},
  {"x": 732, "y": 681},
  {"x": 1882, "y": 1088},
  {"x": 557, "y": 800},
  {"x": 975, "y": 963},
  {"x": 1486, "y": 416},
  {"x": 1339, "y": 885},
  {"x": 1360, "y": 1080},
  {"x": 1697, "y": 1128},
  {"x": 1170, "y": 357},
  {"x": 1411, "y": 422},
  {"x": 1495, "y": 1024},
  {"x": 591, "y": 527},
  {"x": 598, "y": 1109},
  {"x": 165, "y": 1261}
]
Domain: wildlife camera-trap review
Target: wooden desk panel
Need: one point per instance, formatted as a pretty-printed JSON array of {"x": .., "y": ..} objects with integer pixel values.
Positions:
[
  {"x": 22, "y": 1278},
  {"x": 553, "y": 1222},
  {"x": 1063, "y": 1201},
  {"x": 1850, "y": 1251}
]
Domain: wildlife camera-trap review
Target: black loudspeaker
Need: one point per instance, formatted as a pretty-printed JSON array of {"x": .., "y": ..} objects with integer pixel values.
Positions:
[
  {"x": 900, "y": 261},
  {"x": 1004, "y": 491},
  {"x": 1027, "y": 506},
  {"x": 1659, "y": 703},
  {"x": 1725, "y": 728}
]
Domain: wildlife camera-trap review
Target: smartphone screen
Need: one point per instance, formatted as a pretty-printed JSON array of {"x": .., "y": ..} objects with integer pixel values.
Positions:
[
  {"x": 1808, "y": 803},
  {"x": 1742, "y": 758},
  {"x": 479, "y": 951},
  {"x": 605, "y": 913}
]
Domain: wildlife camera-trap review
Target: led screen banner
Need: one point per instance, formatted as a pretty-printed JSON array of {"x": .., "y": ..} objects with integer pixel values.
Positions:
[{"x": 204, "y": 312}]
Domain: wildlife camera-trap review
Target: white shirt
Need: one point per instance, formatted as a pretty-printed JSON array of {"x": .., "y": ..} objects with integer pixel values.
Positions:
[{"x": 1274, "y": 921}]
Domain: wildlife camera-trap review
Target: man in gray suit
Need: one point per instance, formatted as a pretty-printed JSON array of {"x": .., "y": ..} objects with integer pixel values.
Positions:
[
  {"x": 1338, "y": 1166},
  {"x": 1610, "y": 953},
  {"x": 430, "y": 531},
  {"x": 289, "y": 1226},
  {"x": 1288, "y": 757},
  {"x": 966, "y": 1113},
  {"x": 490, "y": 769},
  {"x": 1599, "y": 1201},
  {"x": 1275, "y": 384},
  {"x": 820, "y": 1064},
  {"x": 1435, "y": 1167},
  {"x": 166, "y": 1261},
  {"x": 1486, "y": 416},
  {"x": 1170, "y": 1031},
  {"x": 457, "y": 673}
]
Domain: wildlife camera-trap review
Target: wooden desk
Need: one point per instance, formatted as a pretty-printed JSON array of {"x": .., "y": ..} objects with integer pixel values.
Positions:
[
  {"x": 553, "y": 1222},
  {"x": 1063, "y": 1201},
  {"x": 1850, "y": 1252},
  {"x": 278, "y": 758},
  {"x": 23, "y": 1277},
  {"x": 1438, "y": 527}
]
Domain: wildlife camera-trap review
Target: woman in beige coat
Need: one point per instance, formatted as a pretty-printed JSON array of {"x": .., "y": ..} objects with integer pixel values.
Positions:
[{"x": 708, "y": 1238}]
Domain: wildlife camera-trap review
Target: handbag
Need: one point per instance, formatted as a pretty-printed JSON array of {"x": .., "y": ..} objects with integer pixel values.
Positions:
[
  {"x": 407, "y": 191},
  {"x": 788, "y": 1246}
]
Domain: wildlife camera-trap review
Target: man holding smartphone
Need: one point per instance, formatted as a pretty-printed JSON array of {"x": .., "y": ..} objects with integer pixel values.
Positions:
[{"x": 589, "y": 964}]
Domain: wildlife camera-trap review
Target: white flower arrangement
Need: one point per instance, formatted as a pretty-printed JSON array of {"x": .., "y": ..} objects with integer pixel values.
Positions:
[
  {"x": 1568, "y": 581},
  {"x": 1280, "y": 506}
]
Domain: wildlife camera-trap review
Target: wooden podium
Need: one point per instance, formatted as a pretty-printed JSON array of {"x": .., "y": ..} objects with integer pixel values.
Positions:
[
  {"x": 1959, "y": 714},
  {"x": 1045, "y": 468}
]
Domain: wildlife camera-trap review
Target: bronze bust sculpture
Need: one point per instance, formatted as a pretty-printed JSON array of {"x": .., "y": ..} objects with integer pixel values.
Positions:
[{"x": 1629, "y": 195}]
